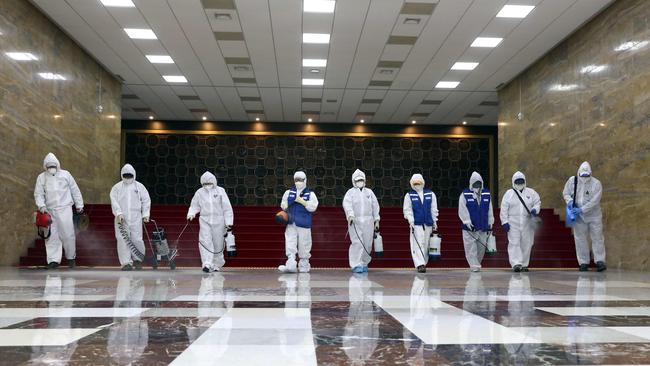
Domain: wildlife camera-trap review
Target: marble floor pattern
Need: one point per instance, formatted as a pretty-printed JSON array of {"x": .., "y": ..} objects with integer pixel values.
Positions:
[{"x": 328, "y": 317}]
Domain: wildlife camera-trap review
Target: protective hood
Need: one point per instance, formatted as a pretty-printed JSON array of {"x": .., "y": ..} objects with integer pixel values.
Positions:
[
  {"x": 476, "y": 177},
  {"x": 300, "y": 174},
  {"x": 517, "y": 175},
  {"x": 208, "y": 177},
  {"x": 417, "y": 177},
  {"x": 584, "y": 168},
  {"x": 358, "y": 174},
  {"x": 49, "y": 159},
  {"x": 127, "y": 168}
]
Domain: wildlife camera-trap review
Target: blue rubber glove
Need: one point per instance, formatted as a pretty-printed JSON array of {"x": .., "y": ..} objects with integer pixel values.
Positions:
[
  {"x": 506, "y": 227},
  {"x": 570, "y": 204},
  {"x": 577, "y": 211},
  {"x": 533, "y": 212}
]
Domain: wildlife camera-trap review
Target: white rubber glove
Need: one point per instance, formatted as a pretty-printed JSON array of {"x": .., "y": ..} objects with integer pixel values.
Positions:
[
  {"x": 377, "y": 225},
  {"x": 80, "y": 210},
  {"x": 120, "y": 219},
  {"x": 43, "y": 209},
  {"x": 145, "y": 219},
  {"x": 301, "y": 201},
  {"x": 190, "y": 217},
  {"x": 350, "y": 220}
]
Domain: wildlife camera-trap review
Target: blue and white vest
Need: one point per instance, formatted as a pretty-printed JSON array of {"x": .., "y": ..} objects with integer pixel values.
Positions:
[
  {"x": 478, "y": 214},
  {"x": 422, "y": 210},
  {"x": 298, "y": 214}
]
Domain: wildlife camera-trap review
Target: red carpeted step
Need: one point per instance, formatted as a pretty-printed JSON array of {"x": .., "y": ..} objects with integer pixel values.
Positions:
[{"x": 260, "y": 241}]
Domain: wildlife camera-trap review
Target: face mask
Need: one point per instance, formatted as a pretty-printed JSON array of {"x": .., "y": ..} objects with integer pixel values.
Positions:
[
  {"x": 52, "y": 171},
  {"x": 417, "y": 187},
  {"x": 208, "y": 186},
  {"x": 300, "y": 185},
  {"x": 128, "y": 180},
  {"x": 520, "y": 187},
  {"x": 359, "y": 184}
]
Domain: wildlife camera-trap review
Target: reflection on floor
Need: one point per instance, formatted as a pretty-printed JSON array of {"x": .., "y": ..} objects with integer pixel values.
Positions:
[{"x": 260, "y": 317}]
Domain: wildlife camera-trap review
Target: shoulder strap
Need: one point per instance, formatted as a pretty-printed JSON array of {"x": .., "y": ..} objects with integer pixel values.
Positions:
[
  {"x": 575, "y": 188},
  {"x": 522, "y": 201}
]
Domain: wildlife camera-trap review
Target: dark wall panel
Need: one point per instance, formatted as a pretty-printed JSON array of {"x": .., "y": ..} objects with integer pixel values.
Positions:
[{"x": 256, "y": 170}]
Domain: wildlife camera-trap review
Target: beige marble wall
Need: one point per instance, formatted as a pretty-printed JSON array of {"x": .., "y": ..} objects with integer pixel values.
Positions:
[
  {"x": 589, "y": 99},
  {"x": 38, "y": 116}
]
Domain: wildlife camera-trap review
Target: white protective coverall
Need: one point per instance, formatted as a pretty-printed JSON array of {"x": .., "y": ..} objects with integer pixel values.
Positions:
[
  {"x": 590, "y": 221},
  {"x": 474, "y": 251},
  {"x": 130, "y": 202},
  {"x": 297, "y": 240},
  {"x": 362, "y": 208},
  {"x": 522, "y": 232},
  {"x": 420, "y": 234},
  {"x": 56, "y": 193},
  {"x": 216, "y": 213}
]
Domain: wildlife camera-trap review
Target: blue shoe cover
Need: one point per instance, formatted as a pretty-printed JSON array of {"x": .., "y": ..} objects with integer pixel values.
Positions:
[{"x": 357, "y": 269}]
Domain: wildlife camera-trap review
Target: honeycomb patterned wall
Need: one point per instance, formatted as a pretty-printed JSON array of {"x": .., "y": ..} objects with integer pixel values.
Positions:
[{"x": 256, "y": 170}]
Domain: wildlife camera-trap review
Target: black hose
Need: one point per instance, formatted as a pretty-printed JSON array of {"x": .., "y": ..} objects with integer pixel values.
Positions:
[{"x": 354, "y": 226}]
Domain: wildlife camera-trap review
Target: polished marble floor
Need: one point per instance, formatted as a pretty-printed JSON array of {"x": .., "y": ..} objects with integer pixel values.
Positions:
[{"x": 329, "y": 317}]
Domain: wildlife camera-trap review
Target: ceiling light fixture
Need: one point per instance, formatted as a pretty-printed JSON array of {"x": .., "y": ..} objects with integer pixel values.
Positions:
[
  {"x": 204, "y": 118},
  {"x": 257, "y": 119},
  {"x": 160, "y": 59},
  {"x": 314, "y": 62},
  {"x": 150, "y": 117},
  {"x": 319, "y": 6},
  {"x": 447, "y": 84},
  {"x": 321, "y": 38},
  {"x": 313, "y": 82},
  {"x": 140, "y": 33},
  {"x": 464, "y": 66},
  {"x": 515, "y": 11},
  {"x": 51, "y": 76},
  {"x": 175, "y": 78},
  {"x": 222, "y": 16},
  {"x": 118, "y": 3},
  {"x": 21, "y": 56},
  {"x": 362, "y": 121},
  {"x": 413, "y": 121},
  {"x": 489, "y": 42},
  {"x": 314, "y": 71},
  {"x": 464, "y": 122},
  {"x": 309, "y": 119}
]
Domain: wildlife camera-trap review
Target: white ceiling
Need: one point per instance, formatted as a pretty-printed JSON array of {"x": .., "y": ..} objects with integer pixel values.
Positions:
[{"x": 260, "y": 74}]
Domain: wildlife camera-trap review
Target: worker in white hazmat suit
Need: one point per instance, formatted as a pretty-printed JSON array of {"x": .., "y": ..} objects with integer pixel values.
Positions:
[
  {"x": 517, "y": 221},
  {"x": 131, "y": 206},
  {"x": 583, "y": 196},
  {"x": 477, "y": 217},
  {"x": 300, "y": 203},
  {"x": 362, "y": 213},
  {"x": 55, "y": 193},
  {"x": 421, "y": 211},
  {"x": 216, "y": 219}
]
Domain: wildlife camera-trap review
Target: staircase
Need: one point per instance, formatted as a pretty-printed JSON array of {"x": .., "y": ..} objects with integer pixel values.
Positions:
[{"x": 260, "y": 241}]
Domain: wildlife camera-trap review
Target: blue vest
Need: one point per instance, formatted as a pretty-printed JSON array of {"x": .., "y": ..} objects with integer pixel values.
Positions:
[
  {"x": 422, "y": 210},
  {"x": 298, "y": 214},
  {"x": 478, "y": 214}
]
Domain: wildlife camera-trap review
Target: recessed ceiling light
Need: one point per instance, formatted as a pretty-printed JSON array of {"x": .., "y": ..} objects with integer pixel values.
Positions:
[
  {"x": 140, "y": 33},
  {"x": 319, "y": 6},
  {"x": 119, "y": 3},
  {"x": 21, "y": 56},
  {"x": 362, "y": 121},
  {"x": 464, "y": 66},
  {"x": 413, "y": 121},
  {"x": 314, "y": 62},
  {"x": 447, "y": 84},
  {"x": 315, "y": 38},
  {"x": 150, "y": 117},
  {"x": 160, "y": 59},
  {"x": 257, "y": 118},
  {"x": 204, "y": 118},
  {"x": 490, "y": 42},
  {"x": 515, "y": 11},
  {"x": 386, "y": 72},
  {"x": 411, "y": 21},
  {"x": 313, "y": 81},
  {"x": 464, "y": 122},
  {"x": 309, "y": 119},
  {"x": 314, "y": 71},
  {"x": 222, "y": 16},
  {"x": 51, "y": 76},
  {"x": 175, "y": 78}
]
